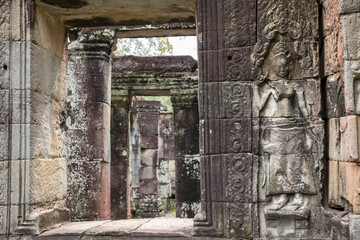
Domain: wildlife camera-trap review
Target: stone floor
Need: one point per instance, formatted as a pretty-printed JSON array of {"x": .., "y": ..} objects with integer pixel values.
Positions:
[{"x": 139, "y": 229}]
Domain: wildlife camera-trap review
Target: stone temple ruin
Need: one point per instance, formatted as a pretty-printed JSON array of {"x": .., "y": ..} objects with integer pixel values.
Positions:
[{"x": 264, "y": 132}]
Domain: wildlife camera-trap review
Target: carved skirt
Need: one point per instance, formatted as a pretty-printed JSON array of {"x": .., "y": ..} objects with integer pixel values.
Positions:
[{"x": 288, "y": 160}]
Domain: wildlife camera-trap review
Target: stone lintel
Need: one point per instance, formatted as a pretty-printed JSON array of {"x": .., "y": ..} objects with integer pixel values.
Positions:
[
  {"x": 155, "y": 65},
  {"x": 146, "y": 106}
]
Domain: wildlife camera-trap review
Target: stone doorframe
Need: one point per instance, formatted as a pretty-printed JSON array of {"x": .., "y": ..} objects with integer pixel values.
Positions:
[{"x": 155, "y": 76}]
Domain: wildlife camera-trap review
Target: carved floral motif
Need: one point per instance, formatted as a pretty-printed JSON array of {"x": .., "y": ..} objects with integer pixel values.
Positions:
[
  {"x": 4, "y": 17},
  {"x": 239, "y": 178}
]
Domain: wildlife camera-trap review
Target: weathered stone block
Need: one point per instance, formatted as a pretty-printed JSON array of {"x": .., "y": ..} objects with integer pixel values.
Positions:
[
  {"x": 303, "y": 59},
  {"x": 334, "y": 139},
  {"x": 149, "y": 187},
  {"x": 349, "y": 6},
  {"x": 20, "y": 169},
  {"x": 148, "y": 123},
  {"x": 84, "y": 178},
  {"x": 298, "y": 18},
  {"x": 237, "y": 65},
  {"x": 47, "y": 180},
  {"x": 306, "y": 92},
  {"x": 211, "y": 40},
  {"x": 240, "y": 220},
  {"x": 158, "y": 64},
  {"x": 239, "y": 177},
  {"x": 187, "y": 184},
  {"x": 164, "y": 172},
  {"x": 21, "y": 141},
  {"x": 5, "y": 20},
  {"x": 3, "y": 182},
  {"x": 352, "y": 86},
  {"x": 149, "y": 157},
  {"x": 148, "y": 173},
  {"x": 350, "y": 25},
  {"x": 44, "y": 73},
  {"x": 226, "y": 100},
  {"x": 166, "y": 148},
  {"x": 89, "y": 83},
  {"x": 287, "y": 224},
  {"x": 4, "y": 64},
  {"x": 333, "y": 52},
  {"x": 4, "y": 142},
  {"x": 331, "y": 15},
  {"x": 349, "y": 180},
  {"x": 18, "y": 79},
  {"x": 29, "y": 107},
  {"x": 42, "y": 107},
  {"x": 334, "y": 181},
  {"x": 350, "y": 138},
  {"x": 354, "y": 225},
  {"x": 83, "y": 115},
  {"x": 210, "y": 15},
  {"x": 88, "y": 145},
  {"x": 4, "y": 107},
  {"x": 233, "y": 26},
  {"x": 149, "y": 142},
  {"x": 225, "y": 65},
  {"x": 3, "y": 219},
  {"x": 119, "y": 191},
  {"x": 225, "y": 136},
  {"x": 46, "y": 141},
  {"x": 334, "y": 96}
]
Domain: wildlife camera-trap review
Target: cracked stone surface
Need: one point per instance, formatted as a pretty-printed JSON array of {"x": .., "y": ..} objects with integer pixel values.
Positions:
[{"x": 147, "y": 228}]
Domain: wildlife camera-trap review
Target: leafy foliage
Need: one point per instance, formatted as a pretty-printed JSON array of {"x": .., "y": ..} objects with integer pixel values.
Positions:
[
  {"x": 144, "y": 46},
  {"x": 165, "y": 100}
]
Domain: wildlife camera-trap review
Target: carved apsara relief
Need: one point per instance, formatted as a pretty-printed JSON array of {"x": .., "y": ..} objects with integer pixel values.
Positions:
[{"x": 284, "y": 68}]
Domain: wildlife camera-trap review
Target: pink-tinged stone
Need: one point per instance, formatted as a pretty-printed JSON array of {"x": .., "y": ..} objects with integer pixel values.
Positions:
[
  {"x": 334, "y": 194},
  {"x": 333, "y": 52},
  {"x": 349, "y": 184},
  {"x": 106, "y": 207},
  {"x": 331, "y": 15},
  {"x": 349, "y": 148},
  {"x": 352, "y": 86},
  {"x": 334, "y": 139}
]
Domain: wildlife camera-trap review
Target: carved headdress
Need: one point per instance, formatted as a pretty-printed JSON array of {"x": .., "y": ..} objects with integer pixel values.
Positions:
[{"x": 279, "y": 21}]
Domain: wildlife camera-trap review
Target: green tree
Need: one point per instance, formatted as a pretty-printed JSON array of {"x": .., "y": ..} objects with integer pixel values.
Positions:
[{"x": 144, "y": 46}]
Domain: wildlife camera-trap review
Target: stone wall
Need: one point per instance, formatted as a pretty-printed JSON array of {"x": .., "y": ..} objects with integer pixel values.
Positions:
[
  {"x": 33, "y": 91},
  {"x": 264, "y": 94},
  {"x": 341, "y": 69}
]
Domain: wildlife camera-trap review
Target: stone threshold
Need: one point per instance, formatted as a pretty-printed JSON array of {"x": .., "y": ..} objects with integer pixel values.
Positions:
[{"x": 147, "y": 228}]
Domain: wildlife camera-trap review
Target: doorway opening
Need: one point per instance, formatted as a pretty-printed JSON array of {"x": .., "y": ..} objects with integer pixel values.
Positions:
[{"x": 158, "y": 115}]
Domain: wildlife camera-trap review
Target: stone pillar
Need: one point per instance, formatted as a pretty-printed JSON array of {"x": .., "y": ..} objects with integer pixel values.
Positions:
[
  {"x": 186, "y": 145},
  {"x": 227, "y": 34},
  {"x": 166, "y": 155},
  {"x": 88, "y": 122},
  {"x": 134, "y": 164},
  {"x": 32, "y": 110},
  {"x": 120, "y": 176},
  {"x": 148, "y": 198}
]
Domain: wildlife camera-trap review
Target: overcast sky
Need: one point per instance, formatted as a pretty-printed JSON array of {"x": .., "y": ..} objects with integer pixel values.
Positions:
[{"x": 184, "y": 46}]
